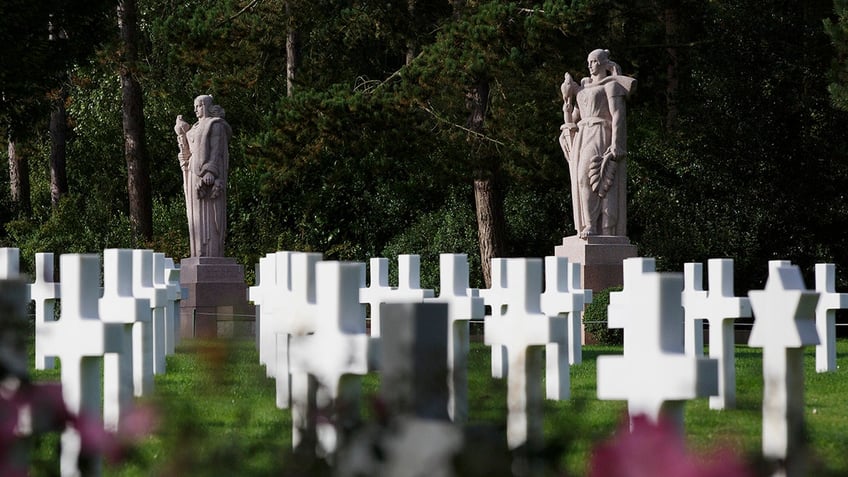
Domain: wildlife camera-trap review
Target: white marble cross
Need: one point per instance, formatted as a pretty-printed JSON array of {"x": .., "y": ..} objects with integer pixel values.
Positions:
[
  {"x": 829, "y": 302},
  {"x": 335, "y": 357},
  {"x": 296, "y": 316},
  {"x": 161, "y": 277},
  {"x": 719, "y": 307},
  {"x": 45, "y": 292},
  {"x": 176, "y": 290},
  {"x": 261, "y": 294},
  {"x": 124, "y": 373},
  {"x": 524, "y": 331},
  {"x": 784, "y": 322},
  {"x": 80, "y": 339},
  {"x": 693, "y": 299},
  {"x": 143, "y": 288},
  {"x": 462, "y": 307},
  {"x": 563, "y": 297},
  {"x": 495, "y": 298},
  {"x": 654, "y": 375},
  {"x": 379, "y": 291}
]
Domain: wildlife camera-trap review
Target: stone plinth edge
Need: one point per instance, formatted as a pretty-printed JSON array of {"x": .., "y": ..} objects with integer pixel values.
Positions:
[
  {"x": 216, "y": 305},
  {"x": 602, "y": 259}
]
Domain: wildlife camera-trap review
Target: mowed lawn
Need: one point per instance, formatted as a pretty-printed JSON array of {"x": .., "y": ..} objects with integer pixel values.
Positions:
[{"x": 217, "y": 415}]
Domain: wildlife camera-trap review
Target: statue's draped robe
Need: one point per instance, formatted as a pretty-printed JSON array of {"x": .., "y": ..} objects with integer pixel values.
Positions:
[
  {"x": 598, "y": 215},
  {"x": 207, "y": 204}
]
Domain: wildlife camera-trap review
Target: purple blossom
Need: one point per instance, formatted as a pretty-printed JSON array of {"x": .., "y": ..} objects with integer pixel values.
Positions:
[{"x": 657, "y": 450}]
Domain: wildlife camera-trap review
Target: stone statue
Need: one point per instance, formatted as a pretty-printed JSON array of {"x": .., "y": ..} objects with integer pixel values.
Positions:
[
  {"x": 204, "y": 158},
  {"x": 594, "y": 141}
]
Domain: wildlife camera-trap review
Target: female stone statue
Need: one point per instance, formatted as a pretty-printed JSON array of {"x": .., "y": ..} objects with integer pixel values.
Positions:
[
  {"x": 594, "y": 141},
  {"x": 204, "y": 158}
]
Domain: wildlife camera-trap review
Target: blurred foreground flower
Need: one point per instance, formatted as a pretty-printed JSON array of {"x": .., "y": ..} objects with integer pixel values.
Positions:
[
  {"x": 29, "y": 409},
  {"x": 657, "y": 450}
]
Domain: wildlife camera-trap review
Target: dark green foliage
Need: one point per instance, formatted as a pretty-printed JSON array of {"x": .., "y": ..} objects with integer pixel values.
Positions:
[
  {"x": 369, "y": 151},
  {"x": 595, "y": 320},
  {"x": 449, "y": 229},
  {"x": 76, "y": 225}
]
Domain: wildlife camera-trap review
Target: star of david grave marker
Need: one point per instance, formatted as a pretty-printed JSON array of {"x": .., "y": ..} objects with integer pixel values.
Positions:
[{"x": 784, "y": 322}]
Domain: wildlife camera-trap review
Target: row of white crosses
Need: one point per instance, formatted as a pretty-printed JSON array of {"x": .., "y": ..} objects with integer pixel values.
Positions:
[
  {"x": 658, "y": 373},
  {"x": 525, "y": 319},
  {"x": 291, "y": 309},
  {"x": 114, "y": 325},
  {"x": 719, "y": 307}
]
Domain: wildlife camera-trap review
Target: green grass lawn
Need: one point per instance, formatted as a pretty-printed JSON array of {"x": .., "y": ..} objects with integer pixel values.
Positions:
[{"x": 218, "y": 415}]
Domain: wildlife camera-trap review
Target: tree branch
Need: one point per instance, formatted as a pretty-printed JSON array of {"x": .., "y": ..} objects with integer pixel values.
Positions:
[
  {"x": 473, "y": 133},
  {"x": 250, "y": 5}
]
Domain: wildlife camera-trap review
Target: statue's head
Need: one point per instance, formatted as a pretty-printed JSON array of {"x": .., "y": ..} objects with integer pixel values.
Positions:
[
  {"x": 204, "y": 108},
  {"x": 600, "y": 64}
]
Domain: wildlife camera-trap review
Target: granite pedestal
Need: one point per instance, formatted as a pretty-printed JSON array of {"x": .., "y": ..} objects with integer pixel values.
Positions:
[
  {"x": 217, "y": 299},
  {"x": 601, "y": 257}
]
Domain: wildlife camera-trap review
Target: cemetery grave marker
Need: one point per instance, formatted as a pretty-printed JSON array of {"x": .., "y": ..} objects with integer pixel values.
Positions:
[
  {"x": 495, "y": 299},
  {"x": 719, "y": 307},
  {"x": 129, "y": 372},
  {"x": 462, "y": 307},
  {"x": 563, "y": 298},
  {"x": 654, "y": 375},
  {"x": 416, "y": 435},
  {"x": 295, "y": 317},
  {"x": 28, "y": 408},
  {"x": 80, "y": 339},
  {"x": 693, "y": 299},
  {"x": 143, "y": 288},
  {"x": 172, "y": 277},
  {"x": 45, "y": 293},
  {"x": 161, "y": 276},
  {"x": 341, "y": 345},
  {"x": 829, "y": 302},
  {"x": 524, "y": 331},
  {"x": 379, "y": 291},
  {"x": 414, "y": 362},
  {"x": 784, "y": 322},
  {"x": 261, "y": 295}
]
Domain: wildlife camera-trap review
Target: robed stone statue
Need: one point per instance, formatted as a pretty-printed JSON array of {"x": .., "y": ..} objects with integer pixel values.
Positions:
[
  {"x": 204, "y": 159},
  {"x": 594, "y": 141}
]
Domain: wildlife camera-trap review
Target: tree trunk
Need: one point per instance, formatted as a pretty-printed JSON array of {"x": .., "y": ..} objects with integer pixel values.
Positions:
[
  {"x": 292, "y": 51},
  {"x": 135, "y": 153},
  {"x": 487, "y": 197},
  {"x": 58, "y": 142},
  {"x": 490, "y": 235},
  {"x": 412, "y": 43},
  {"x": 672, "y": 28},
  {"x": 19, "y": 178}
]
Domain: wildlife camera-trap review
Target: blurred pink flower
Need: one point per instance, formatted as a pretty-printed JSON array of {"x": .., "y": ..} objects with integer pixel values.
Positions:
[{"x": 657, "y": 450}]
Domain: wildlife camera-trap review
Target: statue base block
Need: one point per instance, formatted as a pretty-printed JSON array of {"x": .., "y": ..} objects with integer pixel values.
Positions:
[
  {"x": 602, "y": 258},
  {"x": 216, "y": 306}
]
